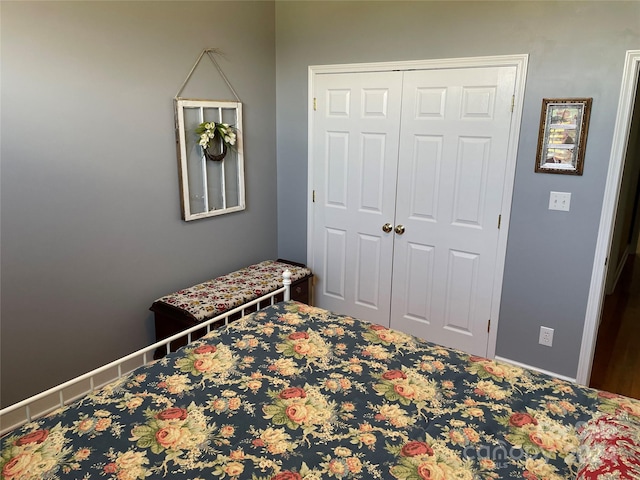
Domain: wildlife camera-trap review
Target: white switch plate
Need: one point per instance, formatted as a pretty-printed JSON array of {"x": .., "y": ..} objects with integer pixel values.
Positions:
[
  {"x": 546, "y": 336},
  {"x": 560, "y": 201}
]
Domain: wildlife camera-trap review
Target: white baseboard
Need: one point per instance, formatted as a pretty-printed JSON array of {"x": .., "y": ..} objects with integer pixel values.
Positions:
[{"x": 536, "y": 369}]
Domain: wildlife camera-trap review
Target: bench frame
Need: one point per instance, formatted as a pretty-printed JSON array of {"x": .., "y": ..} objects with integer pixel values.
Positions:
[{"x": 169, "y": 319}]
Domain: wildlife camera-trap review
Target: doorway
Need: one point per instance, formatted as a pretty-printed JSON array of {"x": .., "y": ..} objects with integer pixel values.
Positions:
[
  {"x": 616, "y": 363},
  {"x": 628, "y": 95}
]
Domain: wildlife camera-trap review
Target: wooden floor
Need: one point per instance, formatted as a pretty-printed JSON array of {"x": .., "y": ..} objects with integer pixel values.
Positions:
[{"x": 616, "y": 363}]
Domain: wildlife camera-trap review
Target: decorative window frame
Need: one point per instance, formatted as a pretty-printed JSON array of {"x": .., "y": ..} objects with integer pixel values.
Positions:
[{"x": 208, "y": 188}]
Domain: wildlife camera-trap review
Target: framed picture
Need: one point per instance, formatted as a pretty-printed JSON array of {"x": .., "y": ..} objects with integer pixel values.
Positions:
[{"x": 564, "y": 123}]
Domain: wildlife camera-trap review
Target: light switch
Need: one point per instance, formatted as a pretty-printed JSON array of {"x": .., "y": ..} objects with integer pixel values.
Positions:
[{"x": 559, "y": 201}]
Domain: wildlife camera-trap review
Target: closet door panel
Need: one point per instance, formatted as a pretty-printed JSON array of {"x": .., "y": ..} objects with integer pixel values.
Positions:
[
  {"x": 419, "y": 280},
  {"x": 451, "y": 206},
  {"x": 335, "y": 242},
  {"x": 355, "y": 146},
  {"x": 460, "y": 298},
  {"x": 367, "y": 272},
  {"x": 470, "y": 182},
  {"x": 423, "y": 179}
]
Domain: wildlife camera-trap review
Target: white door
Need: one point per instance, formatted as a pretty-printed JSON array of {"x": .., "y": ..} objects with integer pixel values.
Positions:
[
  {"x": 355, "y": 151},
  {"x": 424, "y": 150},
  {"x": 453, "y": 155}
]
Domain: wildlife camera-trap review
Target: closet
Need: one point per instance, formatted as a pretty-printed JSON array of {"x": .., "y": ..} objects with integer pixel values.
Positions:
[{"x": 408, "y": 174}]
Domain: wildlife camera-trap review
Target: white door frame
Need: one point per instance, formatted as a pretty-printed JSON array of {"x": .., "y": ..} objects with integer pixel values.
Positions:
[
  {"x": 520, "y": 62},
  {"x": 608, "y": 214}
]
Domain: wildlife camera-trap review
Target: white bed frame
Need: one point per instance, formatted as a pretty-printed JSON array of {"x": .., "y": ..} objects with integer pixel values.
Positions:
[{"x": 57, "y": 397}]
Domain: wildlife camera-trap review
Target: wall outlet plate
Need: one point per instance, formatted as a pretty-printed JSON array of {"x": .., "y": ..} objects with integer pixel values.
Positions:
[{"x": 546, "y": 336}]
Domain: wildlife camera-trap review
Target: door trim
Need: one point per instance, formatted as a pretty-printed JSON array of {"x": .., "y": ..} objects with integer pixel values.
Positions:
[
  {"x": 608, "y": 215},
  {"x": 520, "y": 62}
]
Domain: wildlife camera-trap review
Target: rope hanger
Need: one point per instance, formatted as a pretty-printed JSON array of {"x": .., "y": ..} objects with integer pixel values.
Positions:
[{"x": 210, "y": 52}]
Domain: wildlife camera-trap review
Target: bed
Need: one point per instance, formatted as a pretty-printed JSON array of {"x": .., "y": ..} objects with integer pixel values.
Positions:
[{"x": 296, "y": 392}]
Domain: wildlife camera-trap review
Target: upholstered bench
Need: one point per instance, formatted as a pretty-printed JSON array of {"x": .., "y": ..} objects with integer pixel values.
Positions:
[{"x": 188, "y": 307}]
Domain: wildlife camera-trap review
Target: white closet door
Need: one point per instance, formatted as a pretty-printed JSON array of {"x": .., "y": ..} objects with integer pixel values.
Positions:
[
  {"x": 453, "y": 153},
  {"x": 355, "y": 151}
]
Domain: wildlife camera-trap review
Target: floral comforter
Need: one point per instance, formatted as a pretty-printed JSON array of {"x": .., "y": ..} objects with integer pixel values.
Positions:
[{"x": 296, "y": 392}]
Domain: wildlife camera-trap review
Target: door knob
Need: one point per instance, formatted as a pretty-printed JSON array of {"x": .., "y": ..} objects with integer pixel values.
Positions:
[
  {"x": 399, "y": 229},
  {"x": 387, "y": 227}
]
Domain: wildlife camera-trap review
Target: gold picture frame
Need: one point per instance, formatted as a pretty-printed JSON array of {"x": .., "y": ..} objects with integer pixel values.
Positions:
[{"x": 564, "y": 124}]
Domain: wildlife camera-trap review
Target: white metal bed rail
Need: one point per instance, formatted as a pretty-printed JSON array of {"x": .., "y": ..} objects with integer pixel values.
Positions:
[{"x": 10, "y": 418}]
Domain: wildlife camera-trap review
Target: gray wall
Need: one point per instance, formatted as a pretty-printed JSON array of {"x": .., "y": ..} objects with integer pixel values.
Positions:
[
  {"x": 91, "y": 226},
  {"x": 576, "y": 49}
]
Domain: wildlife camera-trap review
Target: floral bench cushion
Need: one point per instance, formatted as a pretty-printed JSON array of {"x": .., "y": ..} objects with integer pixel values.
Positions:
[
  {"x": 610, "y": 448},
  {"x": 213, "y": 297}
]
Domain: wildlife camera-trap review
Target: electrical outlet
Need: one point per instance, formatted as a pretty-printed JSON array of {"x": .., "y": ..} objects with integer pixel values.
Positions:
[
  {"x": 559, "y": 201},
  {"x": 546, "y": 336}
]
